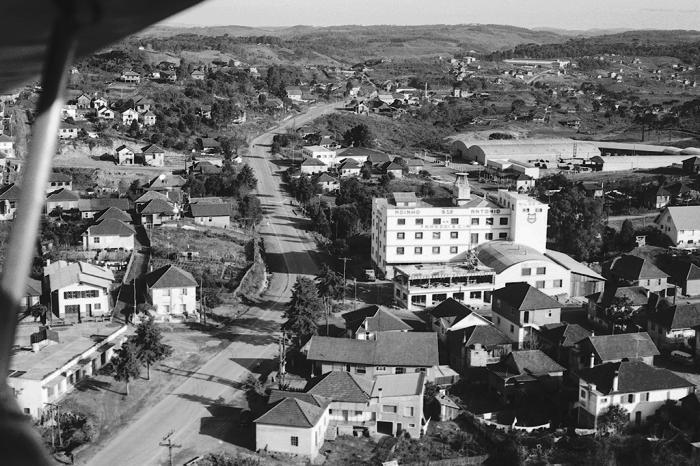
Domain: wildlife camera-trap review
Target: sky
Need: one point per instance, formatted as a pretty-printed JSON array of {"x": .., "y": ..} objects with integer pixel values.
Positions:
[{"x": 564, "y": 14}]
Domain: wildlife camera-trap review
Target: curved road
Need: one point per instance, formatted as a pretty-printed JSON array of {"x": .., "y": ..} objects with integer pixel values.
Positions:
[{"x": 187, "y": 411}]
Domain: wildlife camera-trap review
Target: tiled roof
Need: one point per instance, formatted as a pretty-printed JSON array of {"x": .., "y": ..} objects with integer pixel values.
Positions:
[
  {"x": 524, "y": 297},
  {"x": 485, "y": 335},
  {"x": 295, "y": 412},
  {"x": 685, "y": 217},
  {"x": 158, "y": 206},
  {"x": 684, "y": 271},
  {"x": 676, "y": 316},
  {"x": 150, "y": 195},
  {"x": 623, "y": 345},
  {"x": 533, "y": 362},
  {"x": 450, "y": 308},
  {"x": 61, "y": 274},
  {"x": 378, "y": 320},
  {"x": 58, "y": 176},
  {"x": 152, "y": 149},
  {"x": 563, "y": 334},
  {"x": 637, "y": 295},
  {"x": 166, "y": 180},
  {"x": 417, "y": 349},
  {"x": 349, "y": 163},
  {"x": 113, "y": 212},
  {"x": 169, "y": 276},
  {"x": 312, "y": 162},
  {"x": 62, "y": 194},
  {"x": 342, "y": 386},
  {"x": 10, "y": 193},
  {"x": 326, "y": 178},
  {"x": 110, "y": 227},
  {"x": 211, "y": 210},
  {"x": 629, "y": 267},
  {"x": 633, "y": 377}
]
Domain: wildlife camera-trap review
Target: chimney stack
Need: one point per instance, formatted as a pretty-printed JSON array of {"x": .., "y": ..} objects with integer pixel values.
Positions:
[
  {"x": 591, "y": 361},
  {"x": 616, "y": 381}
]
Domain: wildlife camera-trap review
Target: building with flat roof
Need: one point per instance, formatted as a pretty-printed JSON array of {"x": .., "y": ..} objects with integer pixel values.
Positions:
[
  {"x": 51, "y": 361},
  {"x": 408, "y": 230},
  {"x": 324, "y": 154}
]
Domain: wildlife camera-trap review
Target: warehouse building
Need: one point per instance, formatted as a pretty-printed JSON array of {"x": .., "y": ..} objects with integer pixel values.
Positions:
[
  {"x": 535, "y": 151},
  {"x": 613, "y": 163}
]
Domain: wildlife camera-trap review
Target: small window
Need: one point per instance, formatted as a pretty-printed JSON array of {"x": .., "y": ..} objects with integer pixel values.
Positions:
[
  {"x": 454, "y": 234},
  {"x": 418, "y": 250},
  {"x": 400, "y": 235},
  {"x": 489, "y": 221},
  {"x": 646, "y": 396},
  {"x": 97, "y": 306},
  {"x": 408, "y": 411},
  {"x": 539, "y": 284},
  {"x": 453, "y": 249},
  {"x": 454, "y": 221},
  {"x": 503, "y": 221},
  {"x": 401, "y": 221},
  {"x": 475, "y": 294},
  {"x": 210, "y": 219},
  {"x": 96, "y": 239},
  {"x": 437, "y": 221},
  {"x": 475, "y": 221},
  {"x": 526, "y": 271},
  {"x": 419, "y": 221},
  {"x": 436, "y": 235},
  {"x": 558, "y": 283},
  {"x": 399, "y": 251},
  {"x": 488, "y": 236},
  {"x": 184, "y": 291},
  {"x": 584, "y": 394},
  {"x": 389, "y": 409},
  {"x": 541, "y": 270},
  {"x": 630, "y": 398},
  {"x": 436, "y": 249},
  {"x": 294, "y": 440},
  {"x": 502, "y": 235},
  {"x": 419, "y": 235},
  {"x": 512, "y": 329},
  {"x": 361, "y": 370},
  {"x": 474, "y": 238}
]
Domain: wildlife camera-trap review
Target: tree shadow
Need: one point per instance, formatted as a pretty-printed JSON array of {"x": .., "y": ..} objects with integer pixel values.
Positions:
[
  {"x": 199, "y": 376},
  {"x": 91, "y": 384}
]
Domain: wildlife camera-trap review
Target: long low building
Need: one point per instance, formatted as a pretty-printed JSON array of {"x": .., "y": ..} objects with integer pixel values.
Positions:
[
  {"x": 51, "y": 361},
  {"x": 547, "y": 151},
  {"x": 611, "y": 163}
]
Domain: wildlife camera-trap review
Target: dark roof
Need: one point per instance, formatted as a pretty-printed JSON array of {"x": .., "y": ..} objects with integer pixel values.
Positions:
[
  {"x": 166, "y": 180},
  {"x": 684, "y": 271},
  {"x": 528, "y": 363},
  {"x": 33, "y": 287},
  {"x": 150, "y": 195},
  {"x": 485, "y": 335},
  {"x": 206, "y": 167},
  {"x": 417, "y": 349},
  {"x": 349, "y": 163},
  {"x": 378, "y": 320},
  {"x": 563, "y": 334},
  {"x": 102, "y": 203},
  {"x": 326, "y": 178},
  {"x": 637, "y": 295},
  {"x": 312, "y": 162},
  {"x": 62, "y": 194},
  {"x": 10, "y": 193},
  {"x": 342, "y": 386},
  {"x": 152, "y": 149},
  {"x": 158, "y": 206},
  {"x": 632, "y": 268},
  {"x": 169, "y": 276},
  {"x": 676, "y": 316},
  {"x": 524, "y": 297},
  {"x": 110, "y": 227},
  {"x": 633, "y": 376},
  {"x": 113, "y": 212},
  {"x": 58, "y": 176},
  {"x": 371, "y": 154},
  {"x": 210, "y": 210},
  {"x": 296, "y": 410},
  {"x": 623, "y": 345},
  {"x": 450, "y": 308}
]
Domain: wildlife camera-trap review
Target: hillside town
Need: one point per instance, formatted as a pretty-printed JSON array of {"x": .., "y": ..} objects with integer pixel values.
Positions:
[{"x": 252, "y": 251}]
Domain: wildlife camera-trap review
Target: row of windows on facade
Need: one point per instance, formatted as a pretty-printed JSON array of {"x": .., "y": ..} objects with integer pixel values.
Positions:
[
  {"x": 629, "y": 398},
  {"x": 453, "y": 249},
  {"x": 166, "y": 291},
  {"x": 75, "y": 308},
  {"x": 453, "y": 235},
  {"x": 455, "y": 221},
  {"x": 459, "y": 296},
  {"x": 81, "y": 294},
  {"x": 527, "y": 271}
]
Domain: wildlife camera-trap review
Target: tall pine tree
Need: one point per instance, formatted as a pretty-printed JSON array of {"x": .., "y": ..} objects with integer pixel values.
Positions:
[{"x": 303, "y": 311}]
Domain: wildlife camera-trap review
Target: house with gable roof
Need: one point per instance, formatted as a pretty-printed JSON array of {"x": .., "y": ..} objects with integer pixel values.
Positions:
[
  {"x": 157, "y": 211},
  {"x": 632, "y": 270},
  {"x": 153, "y": 155},
  {"x": 212, "y": 214},
  {"x": 681, "y": 224},
  {"x": 114, "y": 213},
  {"x": 389, "y": 353},
  {"x": 557, "y": 340},
  {"x": 172, "y": 292},
  {"x": 125, "y": 155},
  {"x": 349, "y": 167},
  {"x": 78, "y": 289},
  {"x": 671, "y": 325},
  {"x": 9, "y": 200},
  {"x": 600, "y": 349},
  {"x": 312, "y": 165},
  {"x": 685, "y": 275},
  {"x": 598, "y": 304},
  {"x": 327, "y": 182},
  {"x": 528, "y": 369},
  {"x": 149, "y": 118},
  {"x": 519, "y": 308},
  {"x": 129, "y": 116},
  {"x": 452, "y": 315},
  {"x": 638, "y": 388},
  {"x": 368, "y": 322},
  {"x": 63, "y": 198},
  {"x": 109, "y": 233},
  {"x": 476, "y": 346},
  {"x": 91, "y": 207},
  {"x": 148, "y": 196},
  {"x": 58, "y": 180}
]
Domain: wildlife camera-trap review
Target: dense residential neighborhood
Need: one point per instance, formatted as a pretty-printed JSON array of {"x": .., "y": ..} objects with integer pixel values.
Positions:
[{"x": 390, "y": 245}]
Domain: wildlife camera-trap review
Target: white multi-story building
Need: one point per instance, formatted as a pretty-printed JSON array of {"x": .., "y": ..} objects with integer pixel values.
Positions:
[
  {"x": 408, "y": 230},
  {"x": 172, "y": 292},
  {"x": 78, "y": 289},
  {"x": 682, "y": 225},
  {"x": 325, "y": 155}
]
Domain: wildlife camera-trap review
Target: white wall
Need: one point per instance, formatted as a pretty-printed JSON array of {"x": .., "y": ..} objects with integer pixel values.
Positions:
[
  {"x": 170, "y": 301},
  {"x": 102, "y": 300},
  {"x": 221, "y": 222},
  {"x": 108, "y": 242},
  {"x": 553, "y": 271},
  {"x": 278, "y": 438}
]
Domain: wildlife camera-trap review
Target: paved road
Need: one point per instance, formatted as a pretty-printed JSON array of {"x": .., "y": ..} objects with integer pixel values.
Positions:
[{"x": 190, "y": 411}]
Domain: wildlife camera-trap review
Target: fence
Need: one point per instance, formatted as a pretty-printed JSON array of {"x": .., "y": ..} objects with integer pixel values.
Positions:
[{"x": 460, "y": 461}]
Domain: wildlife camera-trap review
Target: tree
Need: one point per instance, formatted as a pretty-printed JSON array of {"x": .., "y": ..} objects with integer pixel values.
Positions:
[
  {"x": 613, "y": 420},
  {"x": 620, "y": 313},
  {"x": 627, "y": 237},
  {"x": 303, "y": 311},
  {"x": 251, "y": 210},
  {"x": 126, "y": 364},
  {"x": 39, "y": 311},
  {"x": 149, "y": 345},
  {"x": 359, "y": 136},
  {"x": 246, "y": 177},
  {"x": 330, "y": 287}
]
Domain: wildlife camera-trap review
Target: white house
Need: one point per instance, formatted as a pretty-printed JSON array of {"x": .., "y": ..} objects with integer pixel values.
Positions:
[
  {"x": 109, "y": 233},
  {"x": 99, "y": 102},
  {"x": 451, "y": 315},
  {"x": 518, "y": 308},
  {"x": 311, "y": 166},
  {"x": 349, "y": 167},
  {"x": 325, "y": 155},
  {"x": 67, "y": 131},
  {"x": 63, "y": 198},
  {"x": 682, "y": 225},
  {"x": 635, "y": 386},
  {"x": 129, "y": 116},
  {"x": 59, "y": 180},
  {"x": 327, "y": 182},
  {"x": 153, "y": 155},
  {"x": 149, "y": 118},
  {"x": 125, "y": 155},
  {"x": 211, "y": 214},
  {"x": 105, "y": 113},
  {"x": 51, "y": 361},
  {"x": 78, "y": 289},
  {"x": 7, "y": 145},
  {"x": 130, "y": 77},
  {"x": 9, "y": 200},
  {"x": 172, "y": 292}
]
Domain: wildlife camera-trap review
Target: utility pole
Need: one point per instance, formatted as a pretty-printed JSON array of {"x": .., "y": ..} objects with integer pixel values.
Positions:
[
  {"x": 168, "y": 442},
  {"x": 345, "y": 283},
  {"x": 354, "y": 302}
]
